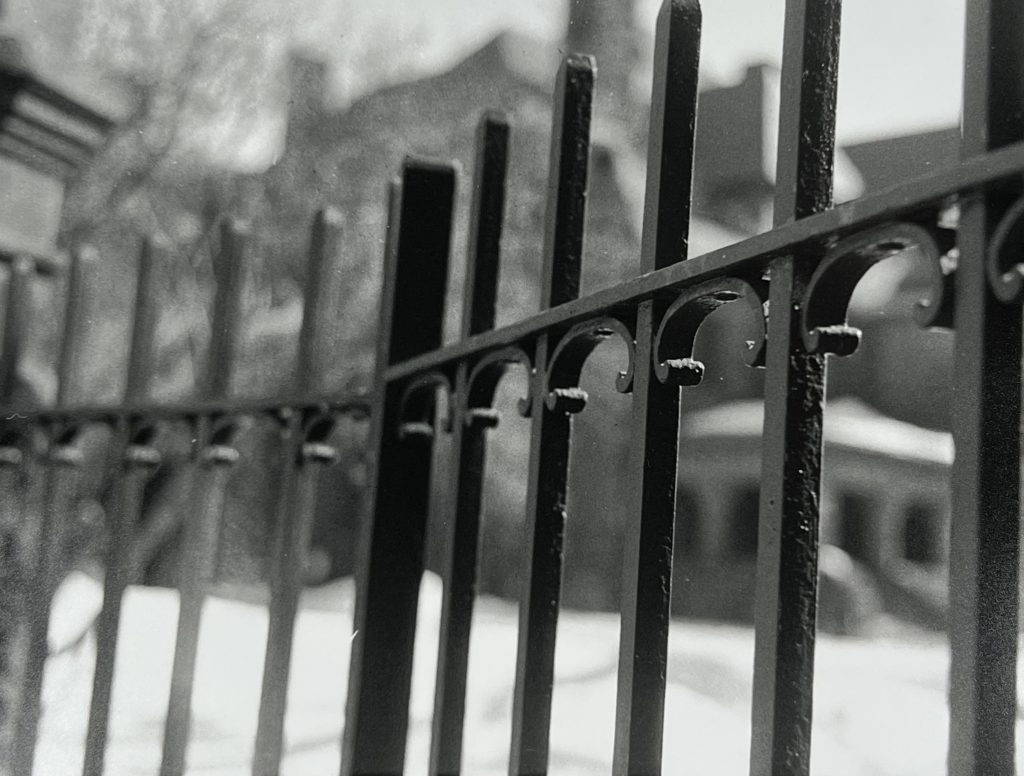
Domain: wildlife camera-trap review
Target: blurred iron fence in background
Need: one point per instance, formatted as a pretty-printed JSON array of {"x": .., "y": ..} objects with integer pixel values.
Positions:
[{"x": 37, "y": 558}]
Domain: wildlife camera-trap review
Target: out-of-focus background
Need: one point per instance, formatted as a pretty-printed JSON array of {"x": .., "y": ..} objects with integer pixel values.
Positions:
[{"x": 268, "y": 110}]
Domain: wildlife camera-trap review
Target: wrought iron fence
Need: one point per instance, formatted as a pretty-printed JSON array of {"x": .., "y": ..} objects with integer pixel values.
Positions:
[
  {"x": 304, "y": 419},
  {"x": 796, "y": 280}
]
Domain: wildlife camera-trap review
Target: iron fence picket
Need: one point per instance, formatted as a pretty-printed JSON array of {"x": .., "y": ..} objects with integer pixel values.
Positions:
[
  {"x": 469, "y": 443},
  {"x": 17, "y": 544},
  {"x": 471, "y": 417},
  {"x": 550, "y": 425},
  {"x": 136, "y": 458},
  {"x": 985, "y": 527},
  {"x": 17, "y": 317},
  {"x": 58, "y": 507},
  {"x": 304, "y": 449},
  {"x": 650, "y": 521},
  {"x": 214, "y": 454},
  {"x": 401, "y": 439},
  {"x": 787, "y": 554}
]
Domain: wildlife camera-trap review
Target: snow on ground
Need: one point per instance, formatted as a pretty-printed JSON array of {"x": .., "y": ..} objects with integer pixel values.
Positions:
[{"x": 879, "y": 705}]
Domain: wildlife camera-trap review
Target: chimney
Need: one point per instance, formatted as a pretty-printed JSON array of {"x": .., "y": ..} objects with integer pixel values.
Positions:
[
  {"x": 607, "y": 30},
  {"x": 307, "y": 86}
]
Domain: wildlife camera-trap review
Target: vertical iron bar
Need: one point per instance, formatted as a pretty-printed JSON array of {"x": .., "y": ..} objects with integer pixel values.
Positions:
[
  {"x": 392, "y": 543},
  {"x": 16, "y": 322},
  {"x": 13, "y": 579},
  {"x": 550, "y": 429},
  {"x": 202, "y": 526},
  {"x": 646, "y": 601},
  {"x": 297, "y": 494},
  {"x": 487, "y": 217},
  {"x": 295, "y": 508},
  {"x": 469, "y": 442},
  {"x": 787, "y": 558},
  {"x": 132, "y": 473},
  {"x": 141, "y": 361},
  {"x": 985, "y": 529},
  {"x": 60, "y": 479},
  {"x": 17, "y": 572},
  {"x": 76, "y": 321}
]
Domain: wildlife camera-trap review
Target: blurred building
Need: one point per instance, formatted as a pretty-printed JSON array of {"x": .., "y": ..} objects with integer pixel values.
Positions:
[{"x": 341, "y": 154}]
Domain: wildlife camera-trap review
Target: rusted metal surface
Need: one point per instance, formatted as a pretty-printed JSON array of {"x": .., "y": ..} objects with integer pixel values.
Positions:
[
  {"x": 412, "y": 318},
  {"x": 985, "y": 529},
  {"x": 918, "y": 201},
  {"x": 550, "y": 426},
  {"x": 643, "y": 645},
  {"x": 471, "y": 420},
  {"x": 787, "y": 553}
]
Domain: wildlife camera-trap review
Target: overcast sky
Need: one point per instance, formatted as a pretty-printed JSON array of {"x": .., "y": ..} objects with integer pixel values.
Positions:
[
  {"x": 900, "y": 59},
  {"x": 900, "y": 63}
]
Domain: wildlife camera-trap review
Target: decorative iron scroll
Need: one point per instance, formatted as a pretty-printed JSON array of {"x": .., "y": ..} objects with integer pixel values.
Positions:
[
  {"x": 827, "y": 300},
  {"x": 570, "y": 354},
  {"x": 64, "y": 449},
  {"x": 680, "y": 323},
  {"x": 317, "y": 426},
  {"x": 1004, "y": 261},
  {"x": 483, "y": 382},
  {"x": 416, "y": 405},
  {"x": 219, "y": 443},
  {"x": 12, "y": 441},
  {"x": 140, "y": 451}
]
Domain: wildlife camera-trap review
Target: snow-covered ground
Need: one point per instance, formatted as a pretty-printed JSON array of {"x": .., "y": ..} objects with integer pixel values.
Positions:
[{"x": 879, "y": 706}]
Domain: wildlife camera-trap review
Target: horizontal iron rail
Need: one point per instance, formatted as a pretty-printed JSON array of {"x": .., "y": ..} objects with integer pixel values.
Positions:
[
  {"x": 44, "y": 264},
  {"x": 922, "y": 195},
  {"x": 347, "y": 404}
]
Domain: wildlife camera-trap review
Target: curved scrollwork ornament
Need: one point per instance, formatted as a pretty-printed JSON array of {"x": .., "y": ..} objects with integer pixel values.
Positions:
[
  {"x": 483, "y": 382},
  {"x": 570, "y": 354},
  {"x": 140, "y": 450},
  {"x": 674, "y": 340},
  {"x": 827, "y": 300},
  {"x": 317, "y": 426},
  {"x": 1004, "y": 262},
  {"x": 221, "y": 450},
  {"x": 417, "y": 403},
  {"x": 63, "y": 443},
  {"x": 14, "y": 440}
]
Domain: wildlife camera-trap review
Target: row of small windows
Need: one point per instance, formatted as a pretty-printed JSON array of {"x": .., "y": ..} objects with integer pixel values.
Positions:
[{"x": 919, "y": 540}]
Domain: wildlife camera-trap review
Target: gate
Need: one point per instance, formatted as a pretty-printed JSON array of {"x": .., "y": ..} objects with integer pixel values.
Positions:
[{"x": 796, "y": 280}]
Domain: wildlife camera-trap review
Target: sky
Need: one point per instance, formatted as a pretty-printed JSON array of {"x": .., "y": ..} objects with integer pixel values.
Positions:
[{"x": 900, "y": 60}]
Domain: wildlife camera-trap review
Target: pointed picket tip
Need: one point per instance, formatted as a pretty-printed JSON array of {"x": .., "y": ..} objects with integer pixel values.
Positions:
[
  {"x": 494, "y": 118},
  {"x": 675, "y": 11}
]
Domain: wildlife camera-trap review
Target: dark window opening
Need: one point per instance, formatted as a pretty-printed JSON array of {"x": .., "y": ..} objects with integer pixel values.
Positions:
[
  {"x": 921, "y": 534},
  {"x": 743, "y": 510},
  {"x": 855, "y": 526}
]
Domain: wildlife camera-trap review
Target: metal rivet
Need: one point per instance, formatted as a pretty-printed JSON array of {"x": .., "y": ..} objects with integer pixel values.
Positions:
[
  {"x": 319, "y": 452},
  {"x": 220, "y": 455},
  {"x": 141, "y": 455},
  {"x": 684, "y": 371},
  {"x": 567, "y": 400}
]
